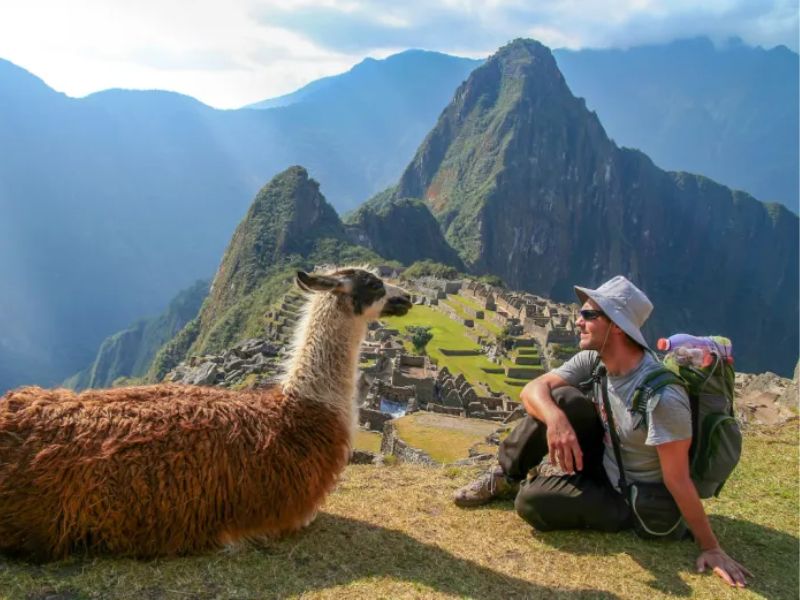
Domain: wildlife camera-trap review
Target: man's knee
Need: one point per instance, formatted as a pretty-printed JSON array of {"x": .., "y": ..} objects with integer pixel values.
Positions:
[
  {"x": 575, "y": 404},
  {"x": 571, "y": 502},
  {"x": 540, "y": 506}
]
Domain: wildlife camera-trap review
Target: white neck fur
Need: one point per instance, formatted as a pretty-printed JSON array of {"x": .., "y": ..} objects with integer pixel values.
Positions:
[{"x": 324, "y": 355}]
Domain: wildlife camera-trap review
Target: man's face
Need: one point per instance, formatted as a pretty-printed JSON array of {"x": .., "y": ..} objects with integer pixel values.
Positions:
[{"x": 593, "y": 327}]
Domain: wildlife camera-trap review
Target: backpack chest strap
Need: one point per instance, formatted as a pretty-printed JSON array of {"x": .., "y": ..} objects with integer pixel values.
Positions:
[{"x": 655, "y": 381}]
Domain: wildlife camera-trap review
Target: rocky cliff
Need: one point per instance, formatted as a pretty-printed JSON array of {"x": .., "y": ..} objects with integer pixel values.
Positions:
[
  {"x": 402, "y": 229},
  {"x": 527, "y": 185}
]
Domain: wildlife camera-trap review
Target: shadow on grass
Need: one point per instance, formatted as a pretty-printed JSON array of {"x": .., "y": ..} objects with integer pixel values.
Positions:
[
  {"x": 334, "y": 551},
  {"x": 370, "y": 551},
  {"x": 769, "y": 554}
]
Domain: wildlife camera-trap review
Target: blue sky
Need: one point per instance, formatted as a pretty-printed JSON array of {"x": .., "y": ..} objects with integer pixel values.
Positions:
[{"x": 228, "y": 54}]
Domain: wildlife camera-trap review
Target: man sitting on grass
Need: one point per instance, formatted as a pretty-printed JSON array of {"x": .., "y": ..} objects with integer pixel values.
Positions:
[{"x": 579, "y": 488}]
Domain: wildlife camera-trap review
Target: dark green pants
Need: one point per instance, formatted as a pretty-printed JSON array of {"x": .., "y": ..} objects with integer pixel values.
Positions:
[{"x": 585, "y": 500}]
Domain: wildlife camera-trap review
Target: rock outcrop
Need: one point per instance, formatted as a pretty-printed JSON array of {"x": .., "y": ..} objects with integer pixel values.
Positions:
[
  {"x": 766, "y": 398},
  {"x": 402, "y": 229},
  {"x": 252, "y": 363}
]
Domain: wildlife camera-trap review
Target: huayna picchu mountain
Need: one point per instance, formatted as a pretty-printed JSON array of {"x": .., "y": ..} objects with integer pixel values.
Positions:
[
  {"x": 288, "y": 226},
  {"x": 527, "y": 186}
]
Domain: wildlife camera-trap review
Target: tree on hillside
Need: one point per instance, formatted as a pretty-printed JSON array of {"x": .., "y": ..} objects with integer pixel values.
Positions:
[
  {"x": 493, "y": 280},
  {"x": 430, "y": 268},
  {"x": 420, "y": 336},
  {"x": 503, "y": 339}
]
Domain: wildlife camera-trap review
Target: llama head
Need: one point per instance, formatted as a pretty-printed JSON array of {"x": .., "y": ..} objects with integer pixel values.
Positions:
[{"x": 361, "y": 293}]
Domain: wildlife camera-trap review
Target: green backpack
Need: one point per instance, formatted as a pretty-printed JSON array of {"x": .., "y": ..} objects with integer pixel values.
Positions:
[{"x": 716, "y": 437}]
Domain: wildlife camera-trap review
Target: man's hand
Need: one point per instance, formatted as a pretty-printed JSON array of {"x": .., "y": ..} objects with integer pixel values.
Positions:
[
  {"x": 563, "y": 445},
  {"x": 724, "y": 566}
]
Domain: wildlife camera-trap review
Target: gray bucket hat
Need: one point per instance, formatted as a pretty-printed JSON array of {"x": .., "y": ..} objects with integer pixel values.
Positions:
[{"x": 624, "y": 303}]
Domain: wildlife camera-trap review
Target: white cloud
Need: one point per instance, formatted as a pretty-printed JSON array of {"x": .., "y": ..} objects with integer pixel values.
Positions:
[{"x": 229, "y": 54}]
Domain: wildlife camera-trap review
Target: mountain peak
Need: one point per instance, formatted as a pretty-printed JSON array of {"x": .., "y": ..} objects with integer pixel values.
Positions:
[
  {"x": 286, "y": 220},
  {"x": 507, "y": 115},
  {"x": 526, "y": 185},
  {"x": 20, "y": 83},
  {"x": 521, "y": 47}
]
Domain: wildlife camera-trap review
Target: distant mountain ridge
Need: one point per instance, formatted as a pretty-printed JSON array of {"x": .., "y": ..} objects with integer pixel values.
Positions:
[
  {"x": 418, "y": 71},
  {"x": 691, "y": 106},
  {"x": 129, "y": 353},
  {"x": 527, "y": 186},
  {"x": 113, "y": 203}
]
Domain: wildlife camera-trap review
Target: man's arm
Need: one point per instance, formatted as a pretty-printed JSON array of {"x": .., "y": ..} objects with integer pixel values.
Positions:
[
  {"x": 537, "y": 398},
  {"x": 674, "y": 459}
]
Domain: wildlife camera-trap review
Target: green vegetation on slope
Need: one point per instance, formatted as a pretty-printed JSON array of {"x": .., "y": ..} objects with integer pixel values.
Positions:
[
  {"x": 127, "y": 355},
  {"x": 430, "y": 268}
]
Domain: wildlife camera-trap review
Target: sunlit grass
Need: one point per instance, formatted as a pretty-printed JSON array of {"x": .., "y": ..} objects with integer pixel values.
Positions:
[
  {"x": 445, "y": 439},
  {"x": 367, "y": 440},
  {"x": 393, "y": 532}
]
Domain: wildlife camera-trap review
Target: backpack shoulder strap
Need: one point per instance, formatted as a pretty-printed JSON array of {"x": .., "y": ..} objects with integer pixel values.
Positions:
[
  {"x": 656, "y": 380},
  {"x": 612, "y": 429},
  {"x": 594, "y": 379}
]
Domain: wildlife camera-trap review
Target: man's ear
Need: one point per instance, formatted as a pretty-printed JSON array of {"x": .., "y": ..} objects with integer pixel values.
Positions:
[
  {"x": 317, "y": 283},
  {"x": 617, "y": 330}
]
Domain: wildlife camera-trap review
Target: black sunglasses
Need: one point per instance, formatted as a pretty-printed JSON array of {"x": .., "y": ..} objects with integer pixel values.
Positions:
[{"x": 590, "y": 315}]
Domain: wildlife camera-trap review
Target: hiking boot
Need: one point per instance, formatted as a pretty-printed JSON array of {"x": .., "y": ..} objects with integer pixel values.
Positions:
[{"x": 490, "y": 486}]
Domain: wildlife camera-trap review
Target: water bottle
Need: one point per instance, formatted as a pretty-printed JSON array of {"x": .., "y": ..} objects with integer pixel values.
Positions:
[
  {"x": 686, "y": 356},
  {"x": 696, "y": 350}
]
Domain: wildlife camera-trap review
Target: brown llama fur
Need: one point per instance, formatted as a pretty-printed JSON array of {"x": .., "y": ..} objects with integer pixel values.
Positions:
[{"x": 169, "y": 469}]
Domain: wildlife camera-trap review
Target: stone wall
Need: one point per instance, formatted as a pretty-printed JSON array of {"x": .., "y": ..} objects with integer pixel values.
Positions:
[
  {"x": 372, "y": 419},
  {"x": 449, "y": 352},
  {"x": 523, "y": 372},
  {"x": 423, "y": 387},
  {"x": 562, "y": 336},
  {"x": 447, "y": 410},
  {"x": 408, "y": 360}
]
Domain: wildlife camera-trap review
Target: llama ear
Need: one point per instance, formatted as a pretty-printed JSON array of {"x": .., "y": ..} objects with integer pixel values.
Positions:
[{"x": 317, "y": 283}]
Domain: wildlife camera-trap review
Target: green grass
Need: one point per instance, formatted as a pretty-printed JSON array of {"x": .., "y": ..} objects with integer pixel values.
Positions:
[
  {"x": 449, "y": 335},
  {"x": 493, "y": 328},
  {"x": 457, "y": 307},
  {"x": 444, "y": 438},
  {"x": 532, "y": 351},
  {"x": 393, "y": 532},
  {"x": 465, "y": 301},
  {"x": 370, "y": 362}
]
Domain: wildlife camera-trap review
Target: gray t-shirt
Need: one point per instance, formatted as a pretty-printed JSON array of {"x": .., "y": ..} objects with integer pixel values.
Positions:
[{"x": 669, "y": 417}]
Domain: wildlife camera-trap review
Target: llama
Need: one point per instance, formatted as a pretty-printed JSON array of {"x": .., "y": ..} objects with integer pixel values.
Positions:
[{"x": 165, "y": 470}]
